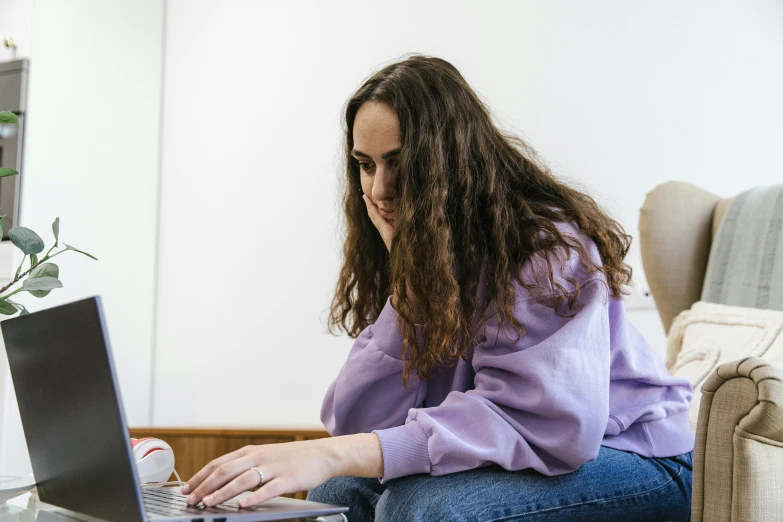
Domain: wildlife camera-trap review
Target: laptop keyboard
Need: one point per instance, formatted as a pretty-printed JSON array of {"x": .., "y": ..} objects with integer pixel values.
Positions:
[{"x": 169, "y": 502}]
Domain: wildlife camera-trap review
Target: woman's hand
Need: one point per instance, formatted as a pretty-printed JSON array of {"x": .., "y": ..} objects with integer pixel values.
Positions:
[
  {"x": 384, "y": 227},
  {"x": 287, "y": 468}
]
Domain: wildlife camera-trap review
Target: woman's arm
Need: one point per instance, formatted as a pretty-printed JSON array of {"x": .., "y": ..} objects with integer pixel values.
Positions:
[
  {"x": 368, "y": 393},
  {"x": 541, "y": 402},
  {"x": 287, "y": 468}
]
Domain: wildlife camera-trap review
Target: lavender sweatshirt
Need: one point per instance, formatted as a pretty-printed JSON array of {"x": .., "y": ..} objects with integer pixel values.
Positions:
[{"x": 546, "y": 402}]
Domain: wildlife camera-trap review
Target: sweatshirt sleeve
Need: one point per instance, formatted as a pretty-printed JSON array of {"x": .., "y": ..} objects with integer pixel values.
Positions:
[
  {"x": 368, "y": 393},
  {"x": 541, "y": 402}
]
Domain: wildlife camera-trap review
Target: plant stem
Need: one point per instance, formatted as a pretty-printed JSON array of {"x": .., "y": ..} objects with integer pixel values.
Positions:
[
  {"x": 21, "y": 265},
  {"x": 23, "y": 274},
  {"x": 12, "y": 293},
  {"x": 48, "y": 257}
]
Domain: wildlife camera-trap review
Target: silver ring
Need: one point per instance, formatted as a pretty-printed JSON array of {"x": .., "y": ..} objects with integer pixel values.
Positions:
[{"x": 260, "y": 474}]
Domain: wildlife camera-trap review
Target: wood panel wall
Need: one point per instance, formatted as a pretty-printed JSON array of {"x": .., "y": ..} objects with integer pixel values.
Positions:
[{"x": 195, "y": 448}]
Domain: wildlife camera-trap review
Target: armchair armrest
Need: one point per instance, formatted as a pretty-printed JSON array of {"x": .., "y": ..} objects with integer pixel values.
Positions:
[{"x": 738, "y": 458}]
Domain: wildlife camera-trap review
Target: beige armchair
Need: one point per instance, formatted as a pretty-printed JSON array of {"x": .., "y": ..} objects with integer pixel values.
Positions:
[{"x": 738, "y": 458}]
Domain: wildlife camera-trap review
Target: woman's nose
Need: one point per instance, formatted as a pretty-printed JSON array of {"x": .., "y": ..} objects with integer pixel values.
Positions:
[{"x": 383, "y": 184}]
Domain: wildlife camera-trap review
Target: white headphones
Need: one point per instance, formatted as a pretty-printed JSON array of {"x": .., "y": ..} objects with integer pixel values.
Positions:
[{"x": 154, "y": 460}]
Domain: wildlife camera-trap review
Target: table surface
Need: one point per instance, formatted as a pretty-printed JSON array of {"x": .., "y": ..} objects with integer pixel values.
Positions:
[{"x": 25, "y": 508}]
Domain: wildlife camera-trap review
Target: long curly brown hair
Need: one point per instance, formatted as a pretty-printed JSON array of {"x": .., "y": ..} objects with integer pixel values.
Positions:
[{"x": 469, "y": 199}]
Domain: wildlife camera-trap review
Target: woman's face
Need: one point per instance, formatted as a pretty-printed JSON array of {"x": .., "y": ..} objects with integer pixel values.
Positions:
[{"x": 376, "y": 146}]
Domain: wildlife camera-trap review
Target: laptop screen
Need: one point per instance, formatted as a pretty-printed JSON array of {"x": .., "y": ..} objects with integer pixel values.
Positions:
[{"x": 71, "y": 410}]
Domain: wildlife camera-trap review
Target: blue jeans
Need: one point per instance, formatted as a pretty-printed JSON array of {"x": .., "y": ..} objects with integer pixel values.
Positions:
[{"x": 616, "y": 486}]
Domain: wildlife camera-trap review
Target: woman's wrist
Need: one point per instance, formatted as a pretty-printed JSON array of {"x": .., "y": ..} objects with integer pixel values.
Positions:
[{"x": 357, "y": 455}]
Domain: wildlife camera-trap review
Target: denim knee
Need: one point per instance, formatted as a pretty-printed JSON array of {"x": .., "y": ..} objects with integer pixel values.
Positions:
[
  {"x": 408, "y": 499},
  {"x": 359, "y": 495},
  {"x": 341, "y": 491}
]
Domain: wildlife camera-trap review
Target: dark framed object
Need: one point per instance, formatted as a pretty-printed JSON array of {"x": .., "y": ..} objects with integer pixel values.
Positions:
[{"x": 13, "y": 97}]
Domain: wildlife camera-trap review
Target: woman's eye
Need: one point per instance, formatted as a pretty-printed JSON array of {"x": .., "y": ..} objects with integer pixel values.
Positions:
[{"x": 365, "y": 166}]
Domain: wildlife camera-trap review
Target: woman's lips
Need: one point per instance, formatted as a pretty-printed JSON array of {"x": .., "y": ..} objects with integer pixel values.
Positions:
[{"x": 386, "y": 214}]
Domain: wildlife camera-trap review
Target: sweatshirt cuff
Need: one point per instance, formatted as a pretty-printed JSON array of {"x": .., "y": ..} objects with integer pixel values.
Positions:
[{"x": 405, "y": 451}]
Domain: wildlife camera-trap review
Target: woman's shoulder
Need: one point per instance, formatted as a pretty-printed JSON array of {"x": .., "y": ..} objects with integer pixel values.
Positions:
[{"x": 564, "y": 267}]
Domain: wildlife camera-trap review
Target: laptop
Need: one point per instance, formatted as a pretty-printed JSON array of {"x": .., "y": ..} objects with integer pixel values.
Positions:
[{"x": 75, "y": 428}]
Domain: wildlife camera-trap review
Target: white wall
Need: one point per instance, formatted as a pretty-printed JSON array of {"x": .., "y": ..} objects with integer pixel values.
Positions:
[
  {"x": 92, "y": 158},
  {"x": 15, "y": 21},
  {"x": 618, "y": 96}
]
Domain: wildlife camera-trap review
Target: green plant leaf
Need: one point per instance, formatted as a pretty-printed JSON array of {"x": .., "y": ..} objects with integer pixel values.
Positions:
[
  {"x": 41, "y": 283},
  {"x": 43, "y": 270},
  {"x": 26, "y": 240},
  {"x": 56, "y": 230},
  {"x": 5, "y": 172},
  {"x": 69, "y": 247},
  {"x": 7, "y": 308},
  {"x": 18, "y": 306},
  {"x": 33, "y": 259},
  {"x": 8, "y": 117}
]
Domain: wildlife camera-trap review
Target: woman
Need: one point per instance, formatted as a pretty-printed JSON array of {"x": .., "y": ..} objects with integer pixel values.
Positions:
[{"x": 495, "y": 375}]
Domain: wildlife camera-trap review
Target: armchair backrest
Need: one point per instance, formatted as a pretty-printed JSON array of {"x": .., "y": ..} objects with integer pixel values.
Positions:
[{"x": 677, "y": 224}]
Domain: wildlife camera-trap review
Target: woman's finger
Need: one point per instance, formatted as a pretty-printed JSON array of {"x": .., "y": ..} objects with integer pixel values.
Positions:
[
  {"x": 244, "y": 482},
  {"x": 207, "y": 470},
  {"x": 273, "y": 488},
  {"x": 384, "y": 227},
  {"x": 222, "y": 475},
  {"x": 372, "y": 211}
]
